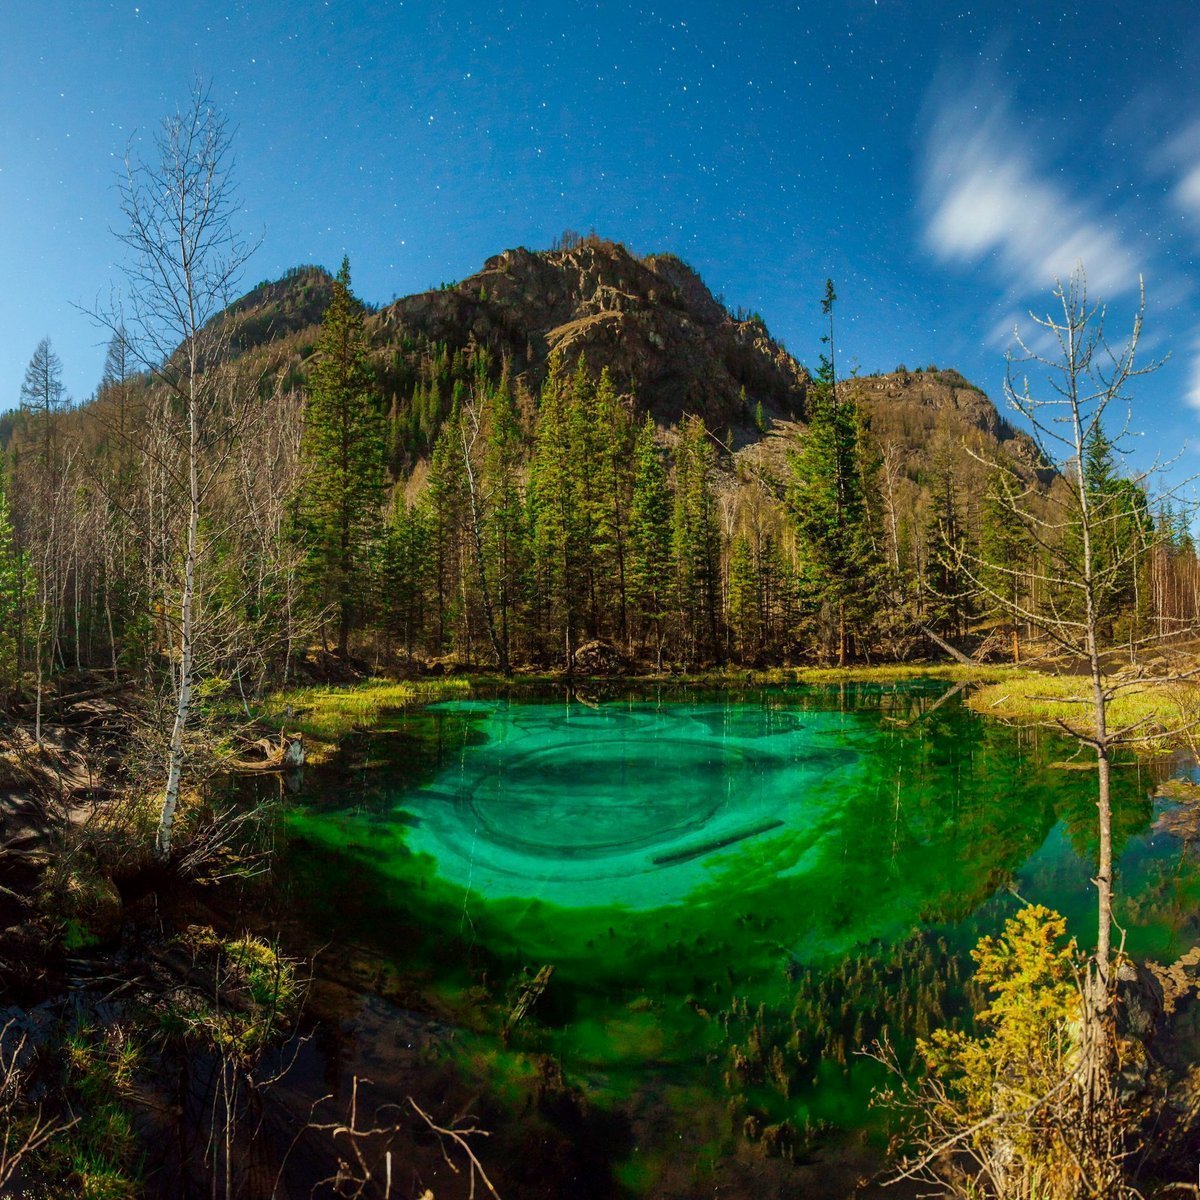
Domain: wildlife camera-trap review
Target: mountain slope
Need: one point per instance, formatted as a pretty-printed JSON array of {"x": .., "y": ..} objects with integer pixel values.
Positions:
[{"x": 670, "y": 345}]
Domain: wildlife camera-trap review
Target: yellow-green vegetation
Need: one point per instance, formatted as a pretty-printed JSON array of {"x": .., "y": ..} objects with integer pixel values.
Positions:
[
  {"x": 246, "y": 991},
  {"x": 1030, "y": 1021},
  {"x": 324, "y": 715},
  {"x": 97, "y": 1157},
  {"x": 1003, "y": 1096},
  {"x": 901, "y": 672},
  {"x": 1163, "y": 714}
]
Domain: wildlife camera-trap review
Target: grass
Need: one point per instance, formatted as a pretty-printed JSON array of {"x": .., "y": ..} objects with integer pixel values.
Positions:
[
  {"x": 1166, "y": 714},
  {"x": 899, "y": 672},
  {"x": 324, "y": 715},
  {"x": 97, "y": 1158}
]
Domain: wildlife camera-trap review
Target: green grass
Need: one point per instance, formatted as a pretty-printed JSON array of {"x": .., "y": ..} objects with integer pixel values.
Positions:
[
  {"x": 324, "y": 715},
  {"x": 1165, "y": 715}
]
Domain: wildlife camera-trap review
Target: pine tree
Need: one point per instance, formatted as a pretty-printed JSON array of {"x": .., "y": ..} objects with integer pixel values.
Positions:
[
  {"x": 447, "y": 504},
  {"x": 1006, "y": 550},
  {"x": 344, "y": 452},
  {"x": 405, "y": 573},
  {"x": 695, "y": 539},
  {"x": 829, "y": 502},
  {"x": 947, "y": 587},
  {"x": 607, "y": 452},
  {"x": 42, "y": 394},
  {"x": 558, "y": 517},
  {"x": 506, "y": 537},
  {"x": 1123, "y": 525},
  {"x": 650, "y": 565},
  {"x": 744, "y": 608}
]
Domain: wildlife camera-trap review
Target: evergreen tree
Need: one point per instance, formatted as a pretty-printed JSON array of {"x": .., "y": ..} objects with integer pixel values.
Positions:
[
  {"x": 606, "y": 464},
  {"x": 405, "y": 573},
  {"x": 1122, "y": 529},
  {"x": 558, "y": 516},
  {"x": 1006, "y": 550},
  {"x": 829, "y": 503},
  {"x": 344, "y": 452},
  {"x": 506, "y": 535},
  {"x": 650, "y": 565},
  {"x": 447, "y": 503},
  {"x": 695, "y": 539},
  {"x": 947, "y": 586},
  {"x": 42, "y": 394},
  {"x": 744, "y": 607}
]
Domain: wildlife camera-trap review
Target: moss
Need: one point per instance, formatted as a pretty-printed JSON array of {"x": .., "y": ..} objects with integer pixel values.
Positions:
[
  {"x": 82, "y": 902},
  {"x": 254, "y": 993},
  {"x": 324, "y": 715}
]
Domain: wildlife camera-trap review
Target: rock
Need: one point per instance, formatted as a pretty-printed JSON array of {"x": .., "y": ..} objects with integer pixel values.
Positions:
[
  {"x": 1140, "y": 1005},
  {"x": 598, "y": 658}
]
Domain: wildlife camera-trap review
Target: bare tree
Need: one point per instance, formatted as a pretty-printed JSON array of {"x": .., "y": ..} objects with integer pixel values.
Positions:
[
  {"x": 42, "y": 393},
  {"x": 180, "y": 209},
  {"x": 1075, "y": 529}
]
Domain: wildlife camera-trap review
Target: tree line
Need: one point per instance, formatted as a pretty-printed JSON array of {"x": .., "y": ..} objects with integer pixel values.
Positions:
[{"x": 505, "y": 530}]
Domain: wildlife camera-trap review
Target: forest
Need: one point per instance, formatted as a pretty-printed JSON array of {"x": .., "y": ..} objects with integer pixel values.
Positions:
[{"x": 420, "y": 507}]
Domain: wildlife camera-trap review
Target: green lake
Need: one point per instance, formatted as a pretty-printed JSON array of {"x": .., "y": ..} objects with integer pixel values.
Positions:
[{"x": 736, "y": 890}]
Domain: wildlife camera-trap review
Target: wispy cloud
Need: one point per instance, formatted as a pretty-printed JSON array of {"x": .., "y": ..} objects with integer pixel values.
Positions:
[
  {"x": 985, "y": 197},
  {"x": 1191, "y": 391}
]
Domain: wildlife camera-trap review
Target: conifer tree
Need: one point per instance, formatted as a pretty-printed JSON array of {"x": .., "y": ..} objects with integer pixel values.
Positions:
[
  {"x": 447, "y": 517},
  {"x": 695, "y": 539},
  {"x": 829, "y": 502},
  {"x": 506, "y": 540},
  {"x": 1006, "y": 548},
  {"x": 558, "y": 515},
  {"x": 406, "y": 570},
  {"x": 650, "y": 538},
  {"x": 606, "y": 458},
  {"x": 947, "y": 586},
  {"x": 42, "y": 394},
  {"x": 744, "y": 607},
  {"x": 344, "y": 450}
]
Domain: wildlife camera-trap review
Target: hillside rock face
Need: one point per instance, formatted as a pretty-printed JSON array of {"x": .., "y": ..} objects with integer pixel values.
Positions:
[
  {"x": 277, "y": 308},
  {"x": 922, "y": 412},
  {"x": 651, "y": 321}
]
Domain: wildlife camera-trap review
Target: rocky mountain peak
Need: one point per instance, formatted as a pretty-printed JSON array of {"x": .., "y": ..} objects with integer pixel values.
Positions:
[{"x": 650, "y": 321}]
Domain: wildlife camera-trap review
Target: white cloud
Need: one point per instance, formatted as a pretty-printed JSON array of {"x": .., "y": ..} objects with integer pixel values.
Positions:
[
  {"x": 1186, "y": 192},
  {"x": 1192, "y": 391},
  {"x": 985, "y": 197}
]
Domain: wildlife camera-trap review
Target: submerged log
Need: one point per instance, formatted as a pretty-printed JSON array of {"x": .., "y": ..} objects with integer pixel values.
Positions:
[{"x": 529, "y": 997}]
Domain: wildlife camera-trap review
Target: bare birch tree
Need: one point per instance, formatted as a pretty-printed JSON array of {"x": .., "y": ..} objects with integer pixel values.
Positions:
[{"x": 186, "y": 258}]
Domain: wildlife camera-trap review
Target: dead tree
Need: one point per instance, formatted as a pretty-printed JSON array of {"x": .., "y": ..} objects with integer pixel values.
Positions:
[{"x": 186, "y": 258}]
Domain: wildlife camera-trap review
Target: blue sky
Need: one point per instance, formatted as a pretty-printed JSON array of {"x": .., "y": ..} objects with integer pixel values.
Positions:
[{"x": 941, "y": 163}]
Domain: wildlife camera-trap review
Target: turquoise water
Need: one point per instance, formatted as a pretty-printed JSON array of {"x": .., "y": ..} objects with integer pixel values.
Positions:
[{"x": 735, "y": 890}]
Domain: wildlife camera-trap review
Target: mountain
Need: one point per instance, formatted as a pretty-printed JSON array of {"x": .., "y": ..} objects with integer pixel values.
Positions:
[
  {"x": 651, "y": 321},
  {"x": 669, "y": 344}
]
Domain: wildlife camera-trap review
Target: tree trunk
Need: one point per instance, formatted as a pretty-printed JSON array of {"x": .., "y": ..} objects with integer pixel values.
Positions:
[{"x": 186, "y": 645}]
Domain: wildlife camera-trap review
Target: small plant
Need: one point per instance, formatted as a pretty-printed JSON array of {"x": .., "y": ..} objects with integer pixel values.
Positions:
[{"x": 97, "y": 1156}]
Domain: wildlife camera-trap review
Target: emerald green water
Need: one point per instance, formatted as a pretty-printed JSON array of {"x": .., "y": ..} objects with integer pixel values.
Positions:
[{"x": 735, "y": 889}]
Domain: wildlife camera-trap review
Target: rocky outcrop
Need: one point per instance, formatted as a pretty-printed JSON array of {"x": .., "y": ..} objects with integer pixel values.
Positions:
[{"x": 651, "y": 321}]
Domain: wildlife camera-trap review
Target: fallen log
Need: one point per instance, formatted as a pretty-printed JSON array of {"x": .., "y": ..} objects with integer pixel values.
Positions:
[{"x": 285, "y": 755}]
